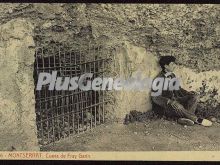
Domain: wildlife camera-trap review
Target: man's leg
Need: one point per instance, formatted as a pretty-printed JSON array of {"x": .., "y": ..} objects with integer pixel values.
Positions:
[
  {"x": 174, "y": 108},
  {"x": 190, "y": 102},
  {"x": 181, "y": 112}
]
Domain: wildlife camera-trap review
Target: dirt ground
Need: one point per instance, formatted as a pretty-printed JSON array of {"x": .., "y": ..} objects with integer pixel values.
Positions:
[{"x": 157, "y": 135}]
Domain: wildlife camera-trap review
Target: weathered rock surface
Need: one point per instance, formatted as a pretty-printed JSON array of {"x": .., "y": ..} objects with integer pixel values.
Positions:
[
  {"x": 190, "y": 32},
  {"x": 134, "y": 63},
  {"x": 17, "y": 101}
]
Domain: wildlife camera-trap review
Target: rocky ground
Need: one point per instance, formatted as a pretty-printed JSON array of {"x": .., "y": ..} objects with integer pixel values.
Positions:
[{"x": 152, "y": 135}]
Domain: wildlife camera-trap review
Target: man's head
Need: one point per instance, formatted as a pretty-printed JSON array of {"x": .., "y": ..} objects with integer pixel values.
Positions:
[{"x": 167, "y": 62}]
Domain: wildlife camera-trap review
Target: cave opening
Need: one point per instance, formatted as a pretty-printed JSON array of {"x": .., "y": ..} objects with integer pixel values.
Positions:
[{"x": 61, "y": 113}]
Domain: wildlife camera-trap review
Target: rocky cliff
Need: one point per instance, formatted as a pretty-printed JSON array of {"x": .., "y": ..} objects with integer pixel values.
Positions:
[{"x": 189, "y": 32}]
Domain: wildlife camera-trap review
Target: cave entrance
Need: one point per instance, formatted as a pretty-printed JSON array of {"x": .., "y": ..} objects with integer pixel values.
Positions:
[{"x": 60, "y": 114}]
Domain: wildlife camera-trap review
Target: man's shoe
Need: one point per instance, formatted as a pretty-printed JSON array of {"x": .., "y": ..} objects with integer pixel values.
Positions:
[
  {"x": 184, "y": 121},
  {"x": 204, "y": 122}
]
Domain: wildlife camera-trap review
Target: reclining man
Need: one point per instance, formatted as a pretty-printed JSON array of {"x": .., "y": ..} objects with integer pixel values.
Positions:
[{"x": 176, "y": 104}]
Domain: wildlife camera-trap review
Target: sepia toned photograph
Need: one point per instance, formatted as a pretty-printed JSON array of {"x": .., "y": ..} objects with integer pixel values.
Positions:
[{"x": 78, "y": 77}]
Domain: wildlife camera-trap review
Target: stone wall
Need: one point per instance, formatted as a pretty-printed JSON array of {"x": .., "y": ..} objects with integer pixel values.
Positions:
[{"x": 17, "y": 100}]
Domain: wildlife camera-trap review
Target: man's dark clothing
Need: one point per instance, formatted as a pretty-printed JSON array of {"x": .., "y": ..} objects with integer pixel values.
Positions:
[{"x": 182, "y": 105}]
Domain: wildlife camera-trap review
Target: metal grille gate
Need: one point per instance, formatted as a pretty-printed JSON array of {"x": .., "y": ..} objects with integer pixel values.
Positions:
[{"x": 61, "y": 113}]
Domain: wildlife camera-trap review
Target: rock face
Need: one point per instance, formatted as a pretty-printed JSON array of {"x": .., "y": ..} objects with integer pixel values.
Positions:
[
  {"x": 205, "y": 83},
  {"x": 132, "y": 61},
  {"x": 17, "y": 101},
  {"x": 190, "y": 32},
  {"x": 135, "y": 63}
]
